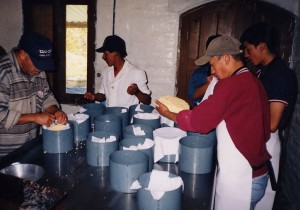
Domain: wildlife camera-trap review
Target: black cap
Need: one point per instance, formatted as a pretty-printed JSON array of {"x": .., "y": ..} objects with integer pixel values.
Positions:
[
  {"x": 113, "y": 43},
  {"x": 39, "y": 48}
]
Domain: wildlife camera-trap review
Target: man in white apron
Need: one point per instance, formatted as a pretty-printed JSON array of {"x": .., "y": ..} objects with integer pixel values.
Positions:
[
  {"x": 261, "y": 44},
  {"x": 122, "y": 84},
  {"x": 238, "y": 109}
]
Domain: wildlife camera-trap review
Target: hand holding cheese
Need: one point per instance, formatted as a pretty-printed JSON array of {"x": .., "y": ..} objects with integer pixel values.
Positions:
[
  {"x": 174, "y": 104},
  {"x": 169, "y": 106}
]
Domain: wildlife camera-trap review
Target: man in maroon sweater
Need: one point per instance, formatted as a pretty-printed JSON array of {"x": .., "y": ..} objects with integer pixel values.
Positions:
[{"x": 238, "y": 109}]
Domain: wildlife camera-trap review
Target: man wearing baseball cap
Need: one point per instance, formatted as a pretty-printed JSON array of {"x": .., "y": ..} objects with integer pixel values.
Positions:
[
  {"x": 26, "y": 101},
  {"x": 238, "y": 109},
  {"x": 122, "y": 84}
]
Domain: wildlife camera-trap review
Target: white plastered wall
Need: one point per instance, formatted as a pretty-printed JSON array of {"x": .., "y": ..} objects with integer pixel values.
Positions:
[
  {"x": 151, "y": 32},
  {"x": 11, "y": 23},
  {"x": 150, "y": 29},
  {"x": 151, "y": 35}
]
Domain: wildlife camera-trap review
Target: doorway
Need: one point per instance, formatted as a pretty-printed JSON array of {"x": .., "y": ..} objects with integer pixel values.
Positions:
[{"x": 226, "y": 18}]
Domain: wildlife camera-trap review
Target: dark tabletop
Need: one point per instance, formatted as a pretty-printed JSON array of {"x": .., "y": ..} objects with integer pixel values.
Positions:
[{"x": 87, "y": 187}]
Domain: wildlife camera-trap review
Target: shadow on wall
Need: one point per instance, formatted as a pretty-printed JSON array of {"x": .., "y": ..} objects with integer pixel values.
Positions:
[{"x": 2, "y": 51}]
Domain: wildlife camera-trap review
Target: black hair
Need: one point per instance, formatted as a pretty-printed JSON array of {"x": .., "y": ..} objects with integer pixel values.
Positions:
[
  {"x": 262, "y": 33},
  {"x": 209, "y": 39}
]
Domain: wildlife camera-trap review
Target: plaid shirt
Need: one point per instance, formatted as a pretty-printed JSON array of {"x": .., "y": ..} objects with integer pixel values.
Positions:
[{"x": 20, "y": 94}]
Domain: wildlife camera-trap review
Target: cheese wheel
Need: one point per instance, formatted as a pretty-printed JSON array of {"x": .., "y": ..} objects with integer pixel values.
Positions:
[
  {"x": 174, "y": 103},
  {"x": 57, "y": 127}
]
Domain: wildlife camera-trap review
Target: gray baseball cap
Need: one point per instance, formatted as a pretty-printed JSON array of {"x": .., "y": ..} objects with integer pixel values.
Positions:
[{"x": 220, "y": 46}]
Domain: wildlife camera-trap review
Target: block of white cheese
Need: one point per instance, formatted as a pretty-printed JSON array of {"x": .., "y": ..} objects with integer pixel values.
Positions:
[
  {"x": 174, "y": 103},
  {"x": 57, "y": 127}
]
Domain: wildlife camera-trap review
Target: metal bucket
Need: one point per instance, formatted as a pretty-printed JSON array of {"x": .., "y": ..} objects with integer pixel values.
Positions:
[
  {"x": 120, "y": 111},
  {"x": 98, "y": 153},
  {"x": 110, "y": 123},
  {"x": 154, "y": 123},
  {"x": 164, "y": 137},
  {"x": 196, "y": 153},
  {"x": 134, "y": 142},
  {"x": 171, "y": 200},
  {"x": 128, "y": 131},
  {"x": 125, "y": 168},
  {"x": 29, "y": 172},
  {"x": 139, "y": 108},
  {"x": 58, "y": 141}
]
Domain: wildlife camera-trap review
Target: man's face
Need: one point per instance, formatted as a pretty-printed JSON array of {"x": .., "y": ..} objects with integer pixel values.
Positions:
[
  {"x": 218, "y": 67},
  {"x": 27, "y": 66},
  {"x": 109, "y": 57},
  {"x": 252, "y": 53}
]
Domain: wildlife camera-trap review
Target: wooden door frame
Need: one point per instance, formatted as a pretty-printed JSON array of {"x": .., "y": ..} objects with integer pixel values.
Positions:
[{"x": 263, "y": 12}]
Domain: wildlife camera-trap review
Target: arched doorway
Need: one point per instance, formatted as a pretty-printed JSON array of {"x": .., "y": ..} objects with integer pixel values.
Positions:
[{"x": 226, "y": 18}]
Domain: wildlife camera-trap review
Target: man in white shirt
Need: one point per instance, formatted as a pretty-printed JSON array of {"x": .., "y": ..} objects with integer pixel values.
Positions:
[{"x": 122, "y": 84}]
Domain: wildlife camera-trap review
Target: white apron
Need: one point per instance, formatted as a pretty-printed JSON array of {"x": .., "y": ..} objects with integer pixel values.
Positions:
[
  {"x": 274, "y": 148},
  {"x": 210, "y": 89},
  {"x": 233, "y": 181}
]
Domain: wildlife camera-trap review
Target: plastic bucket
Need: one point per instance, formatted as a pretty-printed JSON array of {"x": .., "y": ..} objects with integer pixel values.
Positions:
[
  {"x": 98, "y": 153},
  {"x": 196, "y": 153},
  {"x": 58, "y": 165},
  {"x": 170, "y": 167},
  {"x": 139, "y": 108},
  {"x": 198, "y": 186},
  {"x": 109, "y": 122},
  {"x": 167, "y": 140},
  {"x": 120, "y": 111},
  {"x": 128, "y": 131},
  {"x": 58, "y": 141},
  {"x": 125, "y": 168},
  {"x": 93, "y": 110},
  {"x": 171, "y": 200},
  {"x": 154, "y": 123},
  {"x": 134, "y": 142},
  {"x": 81, "y": 130}
]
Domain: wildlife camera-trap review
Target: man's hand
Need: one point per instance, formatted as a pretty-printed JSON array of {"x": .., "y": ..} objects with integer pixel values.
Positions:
[
  {"x": 44, "y": 119},
  {"x": 164, "y": 111},
  {"x": 61, "y": 117},
  {"x": 209, "y": 78},
  {"x": 89, "y": 96},
  {"x": 132, "y": 89},
  {"x": 161, "y": 108}
]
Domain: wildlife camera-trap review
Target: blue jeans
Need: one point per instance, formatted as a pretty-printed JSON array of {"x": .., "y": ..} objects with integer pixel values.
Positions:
[{"x": 259, "y": 185}]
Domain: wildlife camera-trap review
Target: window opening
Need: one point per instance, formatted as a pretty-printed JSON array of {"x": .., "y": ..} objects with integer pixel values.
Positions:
[{"x": 76, "y": 48}]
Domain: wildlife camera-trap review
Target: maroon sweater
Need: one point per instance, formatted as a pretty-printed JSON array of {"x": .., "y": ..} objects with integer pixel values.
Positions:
[{"x": 241, "y": 101}]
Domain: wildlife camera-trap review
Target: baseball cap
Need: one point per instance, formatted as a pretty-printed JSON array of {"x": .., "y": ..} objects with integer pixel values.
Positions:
[
  {"x": 220, "y": 46},
  {"x": 39, "y": 48},
  {"x": 113, "y": 43}
]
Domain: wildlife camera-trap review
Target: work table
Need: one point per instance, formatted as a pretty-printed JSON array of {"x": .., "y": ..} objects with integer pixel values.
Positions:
[{"x": 87, "y": 187}]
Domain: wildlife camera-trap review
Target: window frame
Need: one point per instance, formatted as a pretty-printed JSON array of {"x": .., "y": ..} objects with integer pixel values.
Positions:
[
  {"x": 57, "y": 78},
  {"x": 60, "y": 46}
]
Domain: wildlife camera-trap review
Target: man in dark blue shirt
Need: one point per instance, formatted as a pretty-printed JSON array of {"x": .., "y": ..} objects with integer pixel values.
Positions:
[
  {"x": 200, "y": 79},
  {"x": 261, "y": 43}
]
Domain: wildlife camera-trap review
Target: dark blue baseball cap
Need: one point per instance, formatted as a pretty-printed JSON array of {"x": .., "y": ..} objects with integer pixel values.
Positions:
[
  {"x": 40, "y": 50},
  {"x": 113, "y": 43}
]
